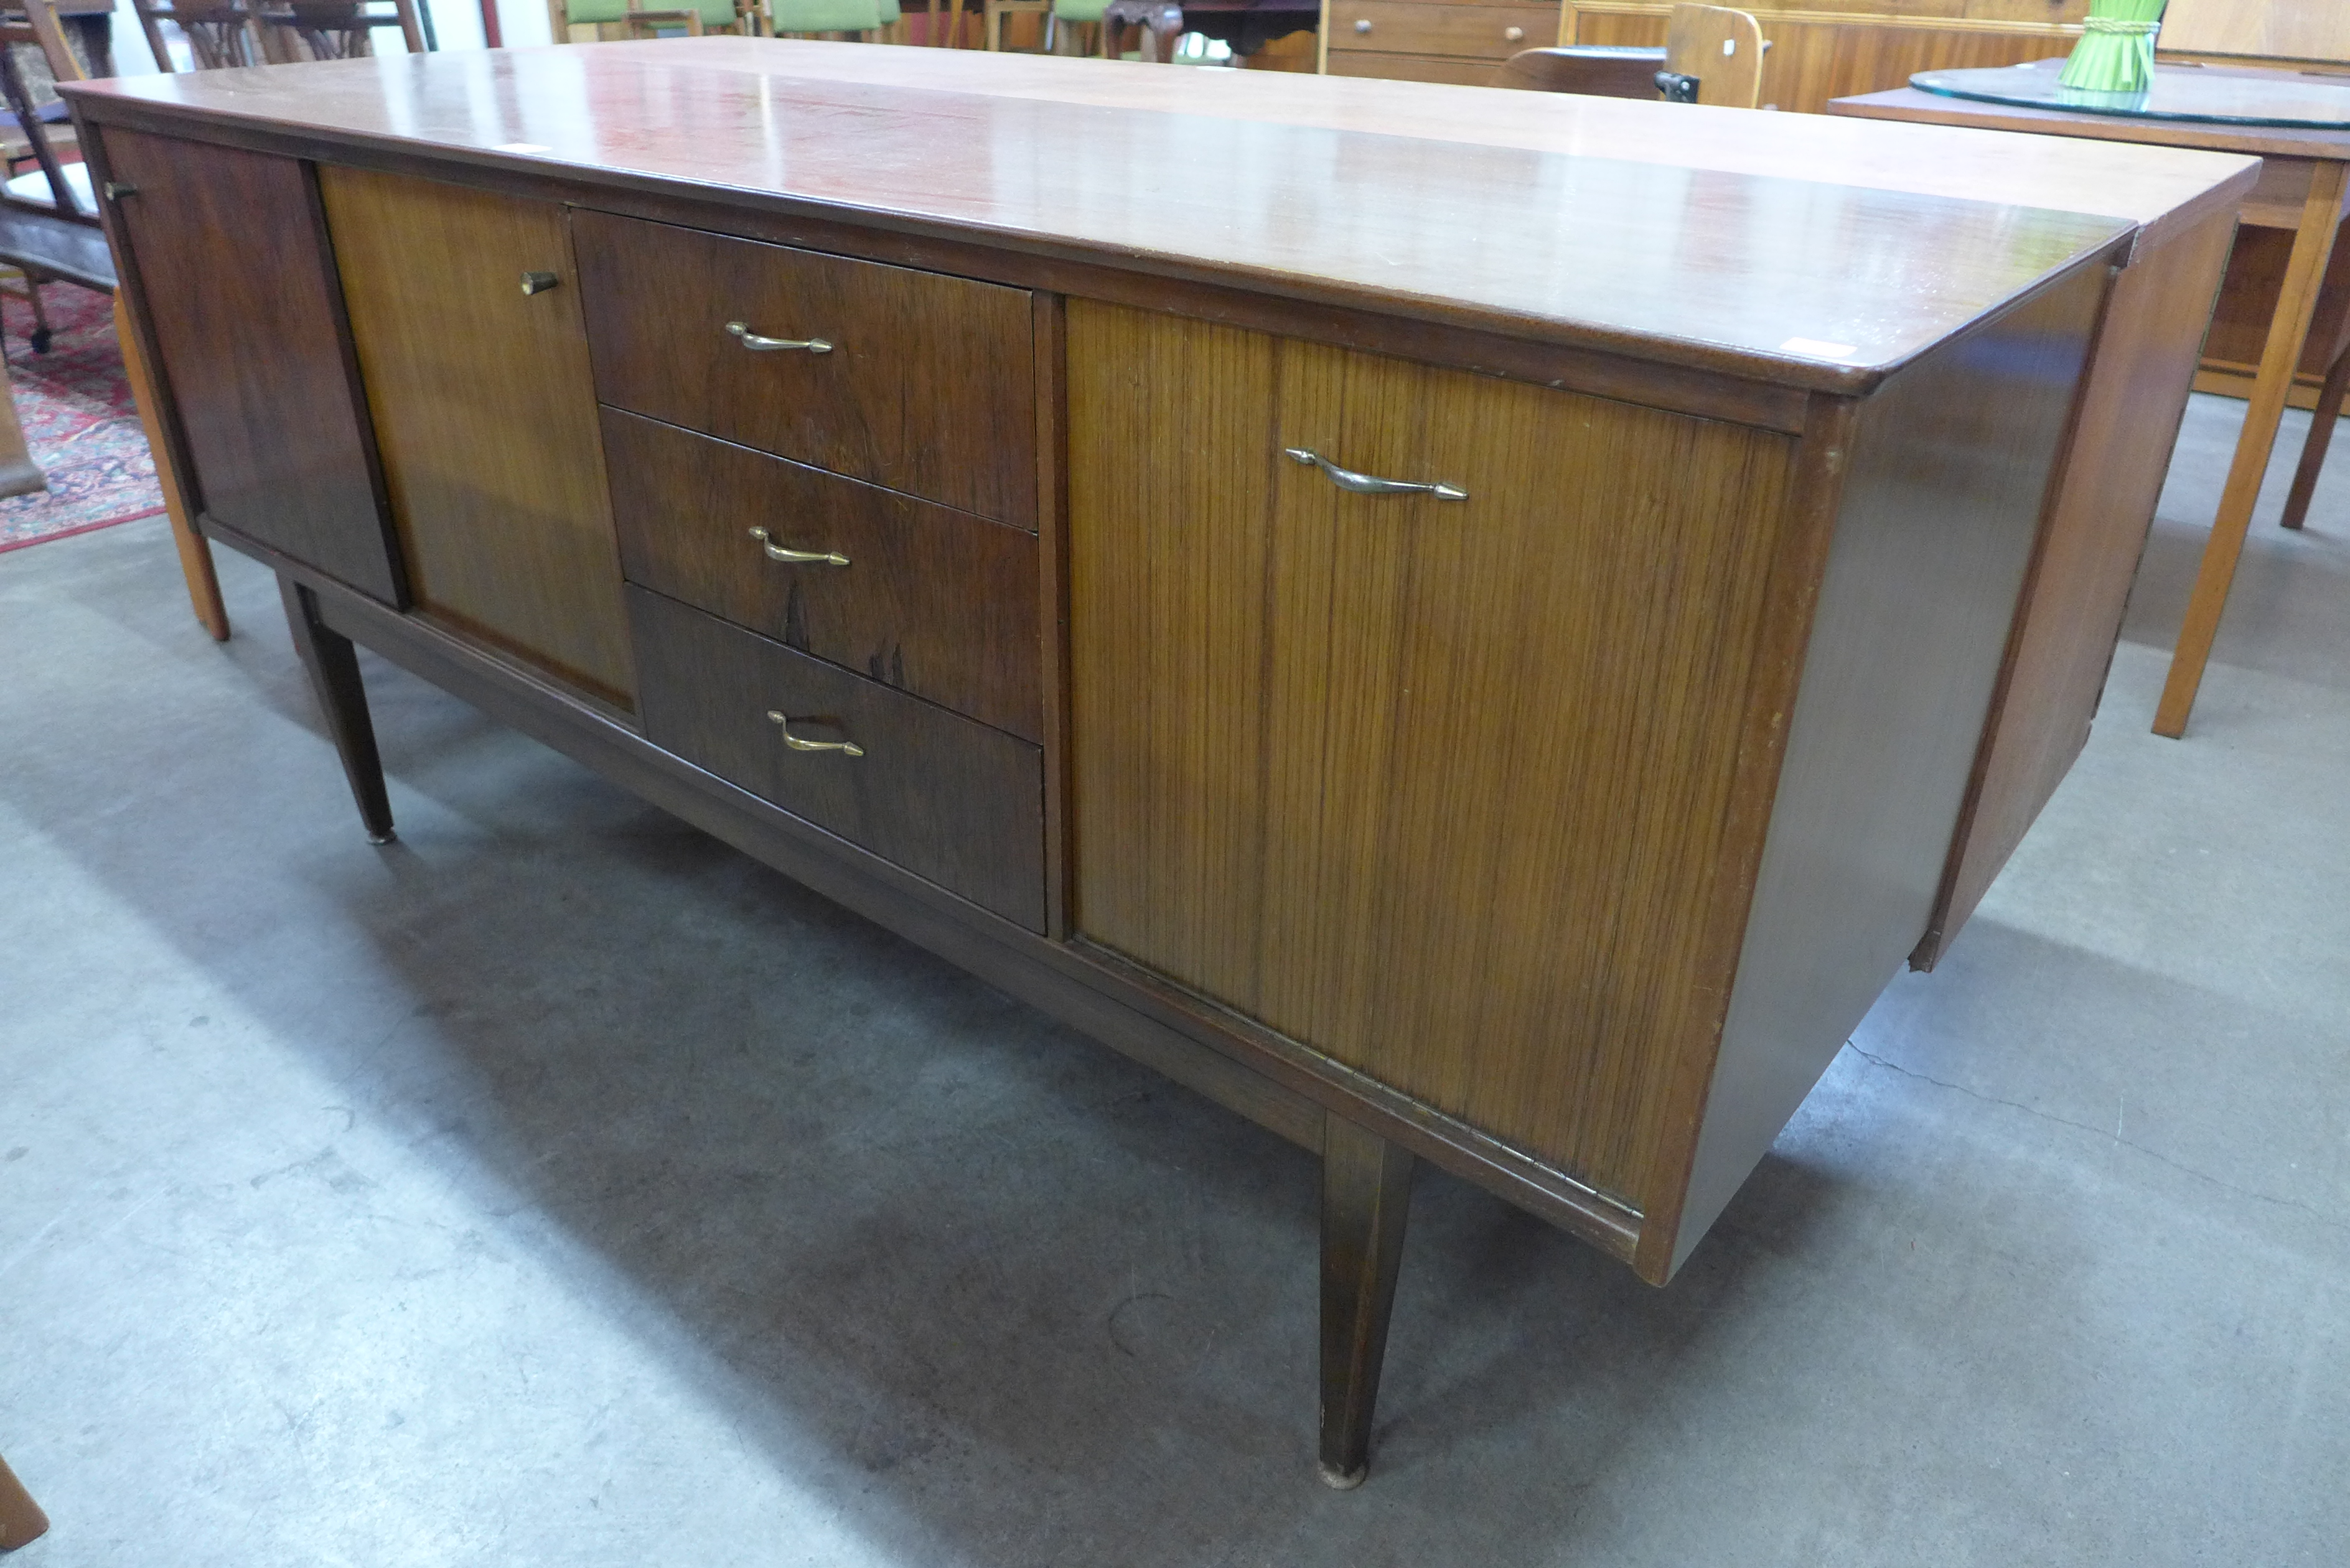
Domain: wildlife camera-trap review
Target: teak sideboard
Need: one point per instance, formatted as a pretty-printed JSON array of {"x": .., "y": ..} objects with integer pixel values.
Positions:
[{"x": 1464, "y": 627}]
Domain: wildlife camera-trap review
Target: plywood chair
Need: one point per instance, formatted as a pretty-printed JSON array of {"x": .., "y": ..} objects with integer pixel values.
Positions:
[
  {"x": 21, "y": 1519},
  {"x": 2284, "y": 33},
  {"x": 1713, "y": 55},
  {"x": 1595, "y": 70}
]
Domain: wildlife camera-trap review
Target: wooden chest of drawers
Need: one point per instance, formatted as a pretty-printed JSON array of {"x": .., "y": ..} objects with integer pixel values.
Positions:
[
  {"x": 1430, "y": 40},
  {"x": 1447, "y": 683}
]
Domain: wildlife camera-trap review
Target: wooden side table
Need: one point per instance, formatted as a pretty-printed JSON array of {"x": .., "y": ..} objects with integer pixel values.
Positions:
[{"x": 2303, "y": 187}]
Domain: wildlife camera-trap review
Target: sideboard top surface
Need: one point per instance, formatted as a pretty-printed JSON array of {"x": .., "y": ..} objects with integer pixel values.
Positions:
[{"x": 1758, "y": 246}]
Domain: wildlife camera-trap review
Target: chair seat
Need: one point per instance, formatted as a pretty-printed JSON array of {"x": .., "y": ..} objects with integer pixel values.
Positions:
[
  {"x": 57, "y": 246},
  {"x": 31, "y": 187}
]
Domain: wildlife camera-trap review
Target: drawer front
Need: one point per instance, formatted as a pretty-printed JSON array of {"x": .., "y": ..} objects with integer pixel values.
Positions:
[
  {"x": 936, "y": 602},
  {"x": 946, "y": 798},
  {"x": 1448, "y": 69},
  {"x": 928, "y": 385},
  {"x": 1477, "y": 32}
]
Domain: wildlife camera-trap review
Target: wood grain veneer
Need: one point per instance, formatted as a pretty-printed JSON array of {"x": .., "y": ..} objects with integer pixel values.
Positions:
[
  {"x": 934, "y": 601},
  {"x": 1425, "y": 784},
  {"x": 1420, "y": 230},
  {"x": 927, "y": 386},
  {"x": 264, "y": 391},
  {"x": 949, "y": 799},
  {"x": 2311, "y": 30},
  {"x": 485, "y": 417}
]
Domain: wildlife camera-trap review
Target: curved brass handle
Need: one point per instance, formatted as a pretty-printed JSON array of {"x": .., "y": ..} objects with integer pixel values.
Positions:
[
  {"x": 1365, "y": 485},
  {"x": 782, "y": 723},
  {"x": 741, "y": 331},
  {"x": 797, "y": 557}
]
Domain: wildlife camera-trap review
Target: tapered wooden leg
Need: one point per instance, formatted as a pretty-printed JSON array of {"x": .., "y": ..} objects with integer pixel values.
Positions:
[
  {"x": 2313, "y": 246},
  {"x": 334, "y": 667},
  {"x": 19, "y": 475},
  {"x": 195, "y": 550},
  {"x": 1366, "y": 1197},
  {"x": 2321, "y": 436},
  {"x": 21, "y": 1519}
]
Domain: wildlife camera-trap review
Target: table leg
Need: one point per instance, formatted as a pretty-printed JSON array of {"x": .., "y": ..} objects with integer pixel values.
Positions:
[
  {"x": 2312, "y": 247},
  {"x": 2321, "y": 436},
  {"x": 21, "y": 1519},
  {"x": 195, "y": 551},
  {"x": 334, "y": 669},
  {"x": 19, "y": 475},
  {"x": 1366, "y": 1197}
]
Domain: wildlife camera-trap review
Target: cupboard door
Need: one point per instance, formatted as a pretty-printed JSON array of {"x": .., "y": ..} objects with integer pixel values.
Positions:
[
  {"x": 239, "y": 288},
  {"x": 485, "y": 412},
  {"x": 1437, "y": 787}
]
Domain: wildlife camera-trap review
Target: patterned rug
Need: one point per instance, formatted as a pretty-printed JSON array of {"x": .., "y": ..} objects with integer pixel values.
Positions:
[{"x": 75, "y": 403}]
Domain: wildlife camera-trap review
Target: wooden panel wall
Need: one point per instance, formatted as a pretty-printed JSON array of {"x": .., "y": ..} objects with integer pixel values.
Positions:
[
  {"x": 1832, "y": 50},
  {"x": 1438, "y": 788}
]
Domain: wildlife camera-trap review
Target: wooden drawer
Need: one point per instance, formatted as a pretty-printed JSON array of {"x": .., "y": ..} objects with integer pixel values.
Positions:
[
  {"x": 1475, "y": 32},
  {"x": 1449, "y": 68},
  {"x": 940, "y": 795},
  {"x": 928, "y": 386},
  {"x": 937, "y": 602}
]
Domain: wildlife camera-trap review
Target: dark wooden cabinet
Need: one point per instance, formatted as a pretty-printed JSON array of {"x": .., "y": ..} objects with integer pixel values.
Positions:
[
  {"x": 1486, "y": 659},
  {"x": 227, "y": 249}
]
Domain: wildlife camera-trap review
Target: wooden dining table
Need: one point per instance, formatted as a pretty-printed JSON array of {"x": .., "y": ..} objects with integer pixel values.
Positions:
[{"x": 2305, "y": 188}]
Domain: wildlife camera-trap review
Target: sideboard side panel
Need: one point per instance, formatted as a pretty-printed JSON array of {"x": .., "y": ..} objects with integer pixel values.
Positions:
[
  {"x": 2097, "y": 530},
  {"x": 247, "y": 319},
  {"x": 1950, "y": 468}
]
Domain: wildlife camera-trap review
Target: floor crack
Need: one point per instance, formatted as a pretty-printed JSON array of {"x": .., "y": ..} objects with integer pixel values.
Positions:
[{"x": 2155, "y": 1155}]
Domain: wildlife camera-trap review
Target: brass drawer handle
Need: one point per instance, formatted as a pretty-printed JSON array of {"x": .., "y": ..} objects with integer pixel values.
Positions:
[
  {"x": 1365, "y": 485},
  {"x": 782, "y": 723},
  {"x": 797, "y": 557},
  {"x": 758, "y": 345}
]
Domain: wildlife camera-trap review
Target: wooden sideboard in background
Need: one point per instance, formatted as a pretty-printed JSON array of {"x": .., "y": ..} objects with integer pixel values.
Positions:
[{"x": 1830, "y": 51}]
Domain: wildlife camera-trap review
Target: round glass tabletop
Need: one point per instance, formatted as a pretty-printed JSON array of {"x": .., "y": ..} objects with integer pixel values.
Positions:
[{"x": 2179, "y": 92}]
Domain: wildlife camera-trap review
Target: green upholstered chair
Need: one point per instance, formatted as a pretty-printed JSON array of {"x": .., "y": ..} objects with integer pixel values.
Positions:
[
  {"x": 860, "y": 16},
  {"x": 636, "y": 18},
  {"x": 1055, "y": 12}
]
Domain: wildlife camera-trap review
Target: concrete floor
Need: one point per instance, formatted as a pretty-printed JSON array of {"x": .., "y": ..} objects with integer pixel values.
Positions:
[{"x": 555, "y": 1186}]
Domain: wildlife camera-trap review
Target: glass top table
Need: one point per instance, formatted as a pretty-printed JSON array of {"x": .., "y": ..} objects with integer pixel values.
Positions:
[{"x": 2179, "y": 92}]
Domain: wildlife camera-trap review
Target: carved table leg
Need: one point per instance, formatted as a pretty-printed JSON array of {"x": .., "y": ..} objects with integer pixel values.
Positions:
[
  {"x": 1366, "y": 1197},
  {"x": 334, "y": 667},
  {"x": 21, "y": 1519}
]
